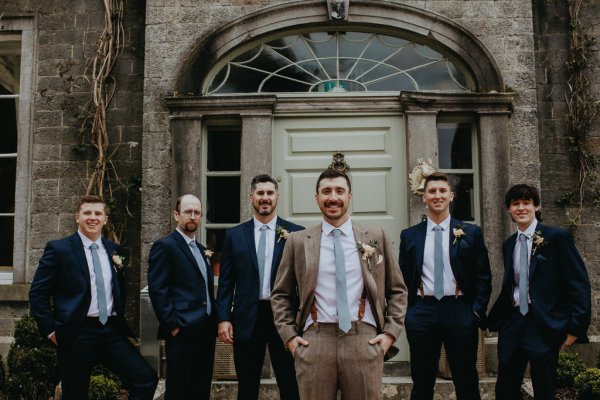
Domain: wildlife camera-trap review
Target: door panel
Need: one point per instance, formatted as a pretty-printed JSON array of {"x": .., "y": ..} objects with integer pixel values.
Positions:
[{"x": 374, "y": 148}]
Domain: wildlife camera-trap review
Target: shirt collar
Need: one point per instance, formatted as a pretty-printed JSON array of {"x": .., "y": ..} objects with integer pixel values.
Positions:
[
  {"x": 87, "y": 242},
  {"x": 445, "y": 224},
  {"x": 346, "y": 228},
  {"x": 271, "y": 224},
  {"x": 530, "y": 229},
  {"x": 186, "y": 237}
]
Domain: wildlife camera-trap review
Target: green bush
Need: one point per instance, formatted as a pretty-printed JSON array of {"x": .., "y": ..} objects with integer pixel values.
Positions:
[
  {"x": 32, "y": 364},
  {"x": 103, "y": 388},
  {"x": 587, "y": 384},
  {"x": 569, "y": 366}
]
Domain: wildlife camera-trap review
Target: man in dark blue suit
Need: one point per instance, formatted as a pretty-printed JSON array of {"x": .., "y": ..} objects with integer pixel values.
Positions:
[
  {"x": 180, "y": 282},
  {"x": 446, "y": 269},
  {"x": 77, "y": 298},
  {"x": 251, "y": 255},
  {"x": 545, "y": 301}
]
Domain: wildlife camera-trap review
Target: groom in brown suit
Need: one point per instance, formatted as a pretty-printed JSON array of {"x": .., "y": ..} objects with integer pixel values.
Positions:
[{"x": 339, "y": 299}]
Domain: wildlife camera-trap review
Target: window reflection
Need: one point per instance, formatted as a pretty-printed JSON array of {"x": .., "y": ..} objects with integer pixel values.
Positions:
[
  {"x": 224, "y": 149},
  {"x": 454, "y": 143},
  {"x": 463, "y": 206}
]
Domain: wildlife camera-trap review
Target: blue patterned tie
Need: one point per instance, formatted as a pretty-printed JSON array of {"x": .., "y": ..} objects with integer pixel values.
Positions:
[
  {"x": 260, "y": 255},
  {"x": 100, "y": 291},
  {"x": 523, "y": 271},
  {"x": 341, "y": 293},
  {"x": 202, "y": 265},
  {"x": 438, "y": 263}
]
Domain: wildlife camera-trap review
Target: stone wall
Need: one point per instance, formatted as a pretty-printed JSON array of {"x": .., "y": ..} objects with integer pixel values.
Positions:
[
  {"x": 66, "y": 35},
  {"x": 559, "y": 174}
]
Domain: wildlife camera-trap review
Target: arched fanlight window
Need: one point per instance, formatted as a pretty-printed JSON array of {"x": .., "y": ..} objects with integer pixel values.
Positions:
[{"x": 338, "y": 62}]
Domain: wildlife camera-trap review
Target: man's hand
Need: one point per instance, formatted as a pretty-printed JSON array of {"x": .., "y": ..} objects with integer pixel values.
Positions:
[
  {"x": 568, "y": 341},
  {"x": 294, "y": 342},
  {"x": 385, "y": 340},
  {"x": 226, "y": 332},
  {"x": 174, "y": 332},
  {"x": 52, "y": 338}
]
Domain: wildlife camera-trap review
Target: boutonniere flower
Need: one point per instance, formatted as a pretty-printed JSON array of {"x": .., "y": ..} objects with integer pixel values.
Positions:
[
  {"x": 538, "y": 241},
  {"x": 368, "y": 250},
  {"x": 118, "y": 261},
  {"x": 281, "y": 232},
  {"x": 208, "y": 254},
  {"x": 458, "y": 233}
]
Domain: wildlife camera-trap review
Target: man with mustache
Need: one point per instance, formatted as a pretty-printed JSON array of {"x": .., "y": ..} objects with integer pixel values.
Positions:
[
  {"x": 181, "y": 285},
  {"x": 249, "y": 264},
  {"x": 339, "y": 299}
]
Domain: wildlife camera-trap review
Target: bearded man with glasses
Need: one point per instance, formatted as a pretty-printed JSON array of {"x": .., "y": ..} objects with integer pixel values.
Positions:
[{"x": 180, "y": 282}]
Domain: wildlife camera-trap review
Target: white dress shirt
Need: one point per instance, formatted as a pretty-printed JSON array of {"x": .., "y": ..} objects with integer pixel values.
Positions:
[
  {"x": 427, "y": 274},
  {"x": 516, "y": 255},
  {"x": 265, "y": 290},
  {"x": 325, "y": 295},
  {"x": 105, "y": 265},
  {"x": 189, "y": 240}
]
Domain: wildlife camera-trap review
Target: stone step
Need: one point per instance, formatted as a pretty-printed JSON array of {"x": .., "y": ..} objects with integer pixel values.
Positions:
[{"x": 392, "y": 388}]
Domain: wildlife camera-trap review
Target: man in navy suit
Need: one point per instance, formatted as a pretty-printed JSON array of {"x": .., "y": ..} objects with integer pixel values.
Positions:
[
  {"x": 251, "y": 255},
  {"x": 447, "y": 271},
  {"x": 180, "y": 282},
  {"x": 77, "y": 298},
  {"x": 545, "y": 301}
]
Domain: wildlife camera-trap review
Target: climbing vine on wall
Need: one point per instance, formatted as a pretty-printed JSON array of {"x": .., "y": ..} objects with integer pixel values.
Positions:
[
  {"x": 582, "y": 111},
  {"x": 104, "y": 178}
]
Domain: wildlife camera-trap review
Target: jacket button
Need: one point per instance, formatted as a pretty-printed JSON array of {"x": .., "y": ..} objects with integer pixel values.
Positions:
[{"x": 204, "y": 303}]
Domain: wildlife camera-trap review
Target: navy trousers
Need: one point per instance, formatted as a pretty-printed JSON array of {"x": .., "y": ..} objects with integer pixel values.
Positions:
[
  {"x": 520, "y": 341},
  {"x": 249, "y": 357},
  {"x": 452, "y": 321},
  {"x": 108, "y": 345},
  {"x": 190, "y": 361}
]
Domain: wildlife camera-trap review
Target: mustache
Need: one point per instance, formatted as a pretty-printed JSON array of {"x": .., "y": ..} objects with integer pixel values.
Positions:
[
  {"x": 333, "y": 203},
  {"x": 260, "y": 203}
]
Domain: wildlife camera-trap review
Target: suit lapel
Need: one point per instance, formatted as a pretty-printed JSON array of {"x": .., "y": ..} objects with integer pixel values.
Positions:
[
  {"x": 533, "y": 260},
  {"x": 77, "y": 246},
  {"x": 110, "y": 248},
  {"x": 185, "y": 249},
  {"x": 420, "y": 245},
  {"x": 509, "y": 250},
  {"x": 361, "y": 235},
  {"x": 312, "y": 252},
  {"x": 249, "y": 237},
  {"x": 277, "y": 249},
  {"x": 454, "y": 244}
]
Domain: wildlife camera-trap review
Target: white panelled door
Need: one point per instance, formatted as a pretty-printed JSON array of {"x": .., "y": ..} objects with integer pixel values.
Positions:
[{"x": 374, "y": 147}]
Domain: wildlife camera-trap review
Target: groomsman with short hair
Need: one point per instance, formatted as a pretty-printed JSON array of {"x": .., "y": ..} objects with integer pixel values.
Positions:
[
  {"x": 545, "y": 301},
  {"x": 447, "y": 271}
]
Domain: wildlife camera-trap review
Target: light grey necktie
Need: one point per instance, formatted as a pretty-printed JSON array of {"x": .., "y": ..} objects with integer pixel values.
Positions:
[
  {"x": 438, "y": 263},
  {"x": 341, "y": 293},
  {"x": 523, "y": 271},
  {"x": 260, "y": 255},
  {"x": 202, "y": 265},
  {"x": 100, "y": 291}
]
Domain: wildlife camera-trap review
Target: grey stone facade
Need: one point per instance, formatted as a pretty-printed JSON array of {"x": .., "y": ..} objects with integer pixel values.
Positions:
[{"x": 165, "y": 42}]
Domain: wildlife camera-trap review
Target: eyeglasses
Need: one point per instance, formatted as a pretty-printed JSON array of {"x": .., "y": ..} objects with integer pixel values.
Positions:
[{"x": 191, "y": 213}]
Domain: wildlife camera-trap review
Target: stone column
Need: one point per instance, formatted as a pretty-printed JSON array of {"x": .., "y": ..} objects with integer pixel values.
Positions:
[
  {"x": 422, "y": 142},
  {"x": 187, "y": 156},
  {"x": 256, "y": 154}
]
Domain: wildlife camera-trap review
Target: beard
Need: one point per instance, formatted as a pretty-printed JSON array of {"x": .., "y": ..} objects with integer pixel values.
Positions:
[
  {"x": 190, "y": 227},
  {"x": 264, "y": 211}
]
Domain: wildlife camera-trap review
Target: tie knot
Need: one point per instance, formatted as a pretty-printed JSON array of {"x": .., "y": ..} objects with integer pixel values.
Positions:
[
  {"x": 522, "y": 237},
  {"x": 193, "y": 244},
  {"x": 438, "y": 228},
  {"x": 94, "y": 246},
  {"x": 336, "y": 233},
  {"x": 264, "y": 228}
]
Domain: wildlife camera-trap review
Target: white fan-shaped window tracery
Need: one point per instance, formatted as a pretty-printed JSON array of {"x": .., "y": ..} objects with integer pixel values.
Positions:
[{"x": 339, "y": 62}]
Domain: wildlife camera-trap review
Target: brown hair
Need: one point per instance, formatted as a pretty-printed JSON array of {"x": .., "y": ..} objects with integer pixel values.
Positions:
[
  {"x": 91, "y": 199},
  {"x": 332, "y": 173}
]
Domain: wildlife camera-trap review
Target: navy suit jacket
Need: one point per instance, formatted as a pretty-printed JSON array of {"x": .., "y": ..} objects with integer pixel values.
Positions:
[
  {"x": 559, "y": 287},
  {"x": 468, "y": 260},
  {"x": 238, "y": 280},
  {"x": 63, "y": 277},
  {"x": 177, "y": 289}
]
